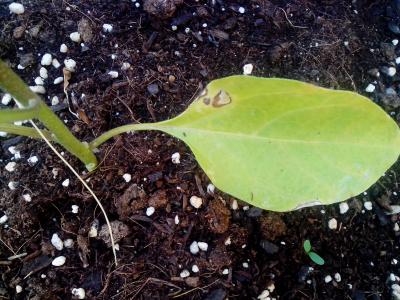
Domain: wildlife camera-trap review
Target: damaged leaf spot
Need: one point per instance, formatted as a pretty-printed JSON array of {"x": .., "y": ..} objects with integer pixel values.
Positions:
[
  {"x": 206, "y": 101},
  {"x": 221, "y": 99}
]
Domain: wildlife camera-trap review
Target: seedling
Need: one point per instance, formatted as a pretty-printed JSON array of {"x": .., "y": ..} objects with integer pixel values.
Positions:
[
  {"x": 275, "y": 143},
  {"x": 313, "y": 256}
]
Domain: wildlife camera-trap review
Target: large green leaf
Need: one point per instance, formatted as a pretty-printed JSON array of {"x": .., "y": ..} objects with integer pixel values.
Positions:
[{"x": 283, "y": 144}]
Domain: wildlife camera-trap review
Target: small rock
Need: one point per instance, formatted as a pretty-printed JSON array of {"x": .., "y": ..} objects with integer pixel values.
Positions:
[
  {"x": 119, "y": 231},
  {"x": 194, "y": 248},
  {"x": 241, "y": 10},
  {"x": 195, "y": 269},
  {"x": 85, "y": 30},
  {"x": 55, "y": 100},
  {"x": 63, "y": 48},
  {"x": 12, "y": 185},
  {"x": 127, "y": 177},
  {"x": 153, "y": 89},
  {"x": 368, "y": 205},
  {"x": 264, "y": 295},
  {"x": 337, "y": 277},
  {"x": 27, "y": 197},
  {"x": 11, "y": 166},
  {"x": 332, "y": 224},
  {"x": 185, "y": 273},
  {"x": 18, "y": 32},
  {"x": 69, "y": 243},
  {"x": 395, "y": 291},
  {"x": 38, "y": 89},
  {"x": 328, "y": 278},
  {"x": 150, "y": 211},
  {"x": 74, "y": 209},
  {"x": 57, "y": 242},
  {"x": 176, "y": 220},
  {"x": 3, "y": 219},
  {"x": 176, "y": 158},
  {"x": 395, "y": 42},
  {"x": 389, "y": 71},
  {"x": 388, "y": 50},
  {"x": 225, "y": 271},
  {"x": 70, "y": 64},
  {"x": 248, "y": 69},
  {"x": 6, "y": 99},
  {"x": 107, "y": 28},
  {"x": 125, "y": 66},
  {"x": 343, "y": 208},
  {"x": 195, "y": 201},
  {"x": 59, "y": 261},
  {"x": 113, "y": 74},
  {"x": 93, "y": 231},
  {"x": 78, "y": 293},
  {"x": 27, "y": 59},
  {"x": 43, "y": 73},
  {"x": 210, "y": 189},
  {"x": 269, "y": 247},
  {"x": 46, "y": 59},
  {"x": 162, "y": 9},
  {"x": 16, "y": 8},
  {"x": 202, "y": 246},
  {"x": 39, "y": 81},
  {"x": 18, "y": 289},
  {"x": 75, "y": 37},
  {"x": 55, "y": 63},
  {"x": 370, "y": 88},
  {"x": 58, "y": 80},
  {"x": 65, "y": 183}
]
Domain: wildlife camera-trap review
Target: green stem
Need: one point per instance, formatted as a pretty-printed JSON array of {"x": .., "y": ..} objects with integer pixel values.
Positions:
[
  {"x": 25, "y": 131},
  {"x": 13, "y": 115},
  {"x": 12, "y": 84},
  {"x": 122, "y": 129}
]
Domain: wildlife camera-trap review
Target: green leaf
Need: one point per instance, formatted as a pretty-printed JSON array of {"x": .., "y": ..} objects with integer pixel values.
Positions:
[
  {"x": 307, "y": 246},
  {"x": 283, "y": 144},
  {"x": 316, "y": 258}
]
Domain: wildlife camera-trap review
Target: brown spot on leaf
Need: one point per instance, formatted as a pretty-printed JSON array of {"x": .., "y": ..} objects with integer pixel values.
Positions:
[
  {"x": 221, "y": 99},
  {"x": 206, "y": 101}
]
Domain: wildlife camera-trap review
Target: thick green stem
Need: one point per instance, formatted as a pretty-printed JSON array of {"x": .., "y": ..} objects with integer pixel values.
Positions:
[
  {"x": 13, "y": 115},
  {"x": 12, "y": 84},
  {"x": 26, "y": 131}
]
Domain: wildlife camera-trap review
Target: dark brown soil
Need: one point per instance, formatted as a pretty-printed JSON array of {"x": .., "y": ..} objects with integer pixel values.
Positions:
[{"x": 297, "y": 39}]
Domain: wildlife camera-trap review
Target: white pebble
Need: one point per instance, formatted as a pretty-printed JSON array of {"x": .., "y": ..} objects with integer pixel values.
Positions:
[
  {"x": 395, "y": 42},
  {"x": 328, "y": 278},
  {"x": 150, "y": 211},
  {"x": 6, "y": 99},
  {"x": 65, "y": 183},
  {"x": 94, "y": 228},
  {"x": 247, "y": 69},
  {"x": 125, "y": 66},
  {"x": 176, "y": 158},
  {"x": 343, "y": 207},
  {"x": 18, "y": 289},
  {"x": 187, "y": 30},
  {"x": 195, "y": 269},
  {"x": 127, "y": 177},
  {"x": 271, "y": 287},
  {"x": 264, "y": 295},
  {"x": 3, "y": 219},
  {"x": 58, "y": 80},
  {"x": 195, "y": 201},
  {"x": 245, "y": 265},
  {"x": 33, "y": 160},
  {"x": 228, "y": 241},
  {"x": 241, "y": 10},
  {"x": 43, "y": 73},
  {"x": 174, "y": 27},
  {"x": 210, "y": 189},
  {"x": 234, "y": 204},
  {"x": 57, "y": 242},
  {"x": 39, "y": 81},
  {"x": 176, "y": 220},
  {"x": 16, "y": 8},
  {"x": 79, "y": 293},
  {"x": 185, "y": 273},
  {"x": 12, "y": 185},
  {"x": 20, "y": 67},
  {"x": 39, "y": 89},
  {"x": 391, "y": 71},
  {"x": 55, "y": 100},
  {"x": 56, "y": 64},
  {"x": 337, "y": 277},
  {"x": 68, "y": 243},
  {"x": 10, "y": 167},
  {"x": 74, "y": 208},
  {"x": 332, "y": 224},
  {"x": 59, "y": 261},
  {"x": 137, "y": 4},
  {"x": 246, "y": 207},
  {"x": 70, "y": 64},
  {"x": 370, "y": 88},
  {"x": 397, "y": 60},
  {"x": 225, "y": 272},
  {"x": 394, "y": 261},
  {"x": 368, "y": 205},
  {"x": 113, "y": 74},
  {"x": 194, "y": 248},
  {"x": 107, "y": 27},
  {"x": 396, "y": 227},
  {"x": 63, "y": 48},
  {"x": 46, "y": 59},
  {"x": 75, "y": 37},
  {"x": 203, "y": 246},
  {"x": 27, "y": 197}
]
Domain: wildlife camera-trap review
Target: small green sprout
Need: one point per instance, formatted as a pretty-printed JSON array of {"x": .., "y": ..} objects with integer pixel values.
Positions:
[{"x": 313, "y": 256}]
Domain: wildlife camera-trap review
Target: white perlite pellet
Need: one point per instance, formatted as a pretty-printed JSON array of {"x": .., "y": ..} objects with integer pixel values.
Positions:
[
  {"x": 3, "y": 219},
  {"x": 16, "y": 8},
  {"x": 241, "y": 10},
  {"x": 94, "y": 228},
  {"x": 337, "y": 277},
  {"x": 27, "y": 197},
  {"x": 55, "y": 63},
  {"x": 210, "y": 189},
  {"x": 75, "y": 37},
  {"x": 57, "y": 242},
  {"x": 6, "y": 99},
  {"x": 127, "y": 177},
  {"x": 59, "y": 261},
  {"x": 125, "y": 66},
  {"x": 11, "y": 166},
  {"x": 33, "y": 160},
  {"x": 46, "y": 59},
  {"x": 176, "y": 220},
  {"x": 248, "y": 69},
  {"x": 63, "y": 48},
  {"x": 107, "y": 28},
  {"x": 150, "y": 211},
  {"x": 55, "y": 100},
  {"x": 12, "y": 185},
  {"x": 78, "y": 293},
  {"x": 38, "y": 89},
  {"x": 70, "y": 64},
  {"x": 113, "y": 74},
  {"x": 194, "y": 248},
  {"x": 74, "y": 209},
  {"x": 39, "y": 81},
  {"x": 368, "y": 205},
  {"x": 43, "y": 73},
  {"x": 332, "y": 224},
  {"x": 343, "y": 207},
  {"x": 175, "y": 158},
  {"x": 69, "y": 243},
  {"x": 328, "y": 278},
  {"x": 18, "y": 289},
  {"x": 203, "y": 246},
  {"x": 58, "y": 80},
  {"x": 195, "y": 201},
  {"x": 185, "y": 273},
  {"x": 225, "y": 272},
  {"x": 65, "y": 183},
  {"x": 370, "y": 88},
  {"x": 195, "y": 269},
  {"x": 264, "y": 295}
]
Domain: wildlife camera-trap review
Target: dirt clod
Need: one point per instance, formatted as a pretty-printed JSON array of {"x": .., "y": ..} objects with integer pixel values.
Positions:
[
  {"x": 218, "y": 216},
  {"x": 272, "y": 226}
]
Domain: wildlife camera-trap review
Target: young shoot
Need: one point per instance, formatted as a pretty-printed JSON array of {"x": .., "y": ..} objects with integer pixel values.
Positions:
[{"x": 311, "y": 254}]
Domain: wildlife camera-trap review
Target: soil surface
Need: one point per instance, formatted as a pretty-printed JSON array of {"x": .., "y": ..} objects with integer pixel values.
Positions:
[{"x": 172, "y": 53}]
